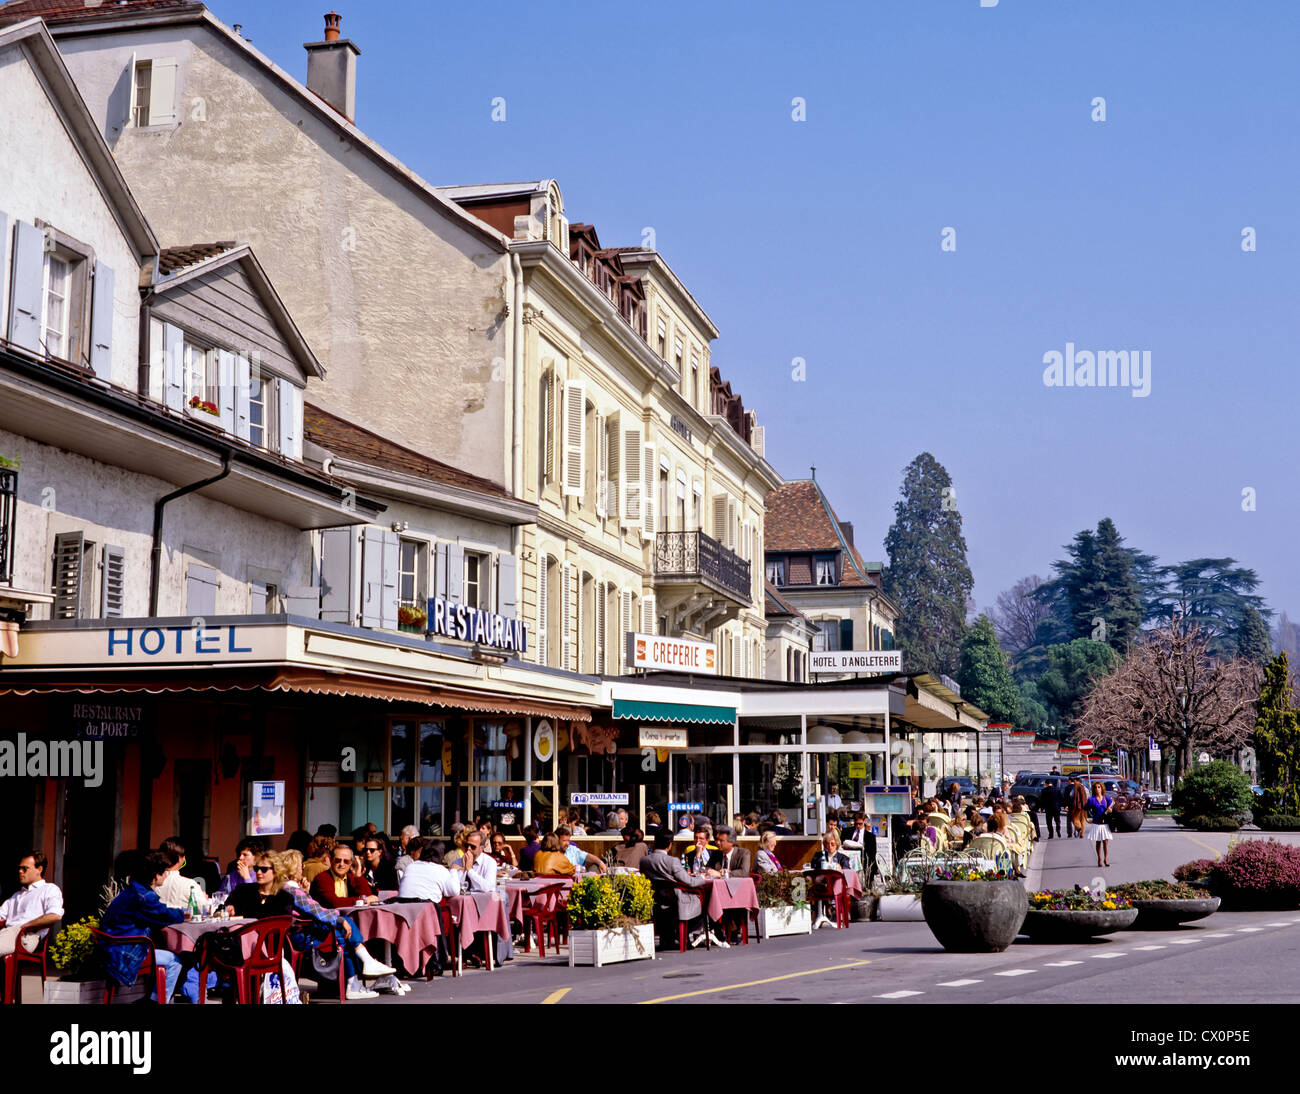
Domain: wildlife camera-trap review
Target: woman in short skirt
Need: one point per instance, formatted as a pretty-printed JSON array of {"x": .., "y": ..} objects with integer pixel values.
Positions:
[{"x": 1097, "y": 830}]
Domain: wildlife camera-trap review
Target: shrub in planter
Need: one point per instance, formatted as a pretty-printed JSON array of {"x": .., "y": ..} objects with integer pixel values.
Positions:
[
  {"x": 1073, "y": 915},
  {"x": 73, "y": 950},
  {"x": 1217, "y": 789},
  {"x": 1278, "y": 822},
  {"x": 1164, "y": 904},
  {"x": 1196, "y": 870},
  {"x": 1210, "y": 824},
  {"x": 777, "y": 891},
  {"x": 609, "y": 919},
  {"x": 1258, "y": 874}
]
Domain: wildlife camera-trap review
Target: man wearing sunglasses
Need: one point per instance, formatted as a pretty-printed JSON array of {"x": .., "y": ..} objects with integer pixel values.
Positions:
[
  {"x": 27, "y": 915},
  {"x": 480, "y": 876},
  {"x": 378, "y": 871},
  {"x": 340, "y": 886}
]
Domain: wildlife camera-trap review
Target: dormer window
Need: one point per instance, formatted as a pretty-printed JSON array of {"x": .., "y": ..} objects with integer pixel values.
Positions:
[
  {"x": 824, "y": 570},
  {"x": 261, "y": 412}
]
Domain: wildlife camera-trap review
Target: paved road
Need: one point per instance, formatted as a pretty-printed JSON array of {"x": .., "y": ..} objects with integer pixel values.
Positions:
[{"x": 1230, "y": 957}]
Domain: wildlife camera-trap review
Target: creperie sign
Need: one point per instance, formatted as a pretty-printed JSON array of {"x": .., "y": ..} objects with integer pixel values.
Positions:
[{"x": 654, "y": 651}]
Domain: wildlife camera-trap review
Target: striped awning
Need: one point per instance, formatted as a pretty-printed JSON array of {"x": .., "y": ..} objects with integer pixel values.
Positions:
[{"x": 672, "y": 712}]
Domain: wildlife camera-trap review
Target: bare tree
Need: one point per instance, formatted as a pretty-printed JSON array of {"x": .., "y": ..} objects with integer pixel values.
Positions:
[
  {"x": 1016, "y": 614},
  {"x": 1170, "y": 688}
]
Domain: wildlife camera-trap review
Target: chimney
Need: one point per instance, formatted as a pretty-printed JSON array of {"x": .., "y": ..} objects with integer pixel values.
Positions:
[
  {"x": 846, "y": 526},
  {"x": 332, "y": 68}
]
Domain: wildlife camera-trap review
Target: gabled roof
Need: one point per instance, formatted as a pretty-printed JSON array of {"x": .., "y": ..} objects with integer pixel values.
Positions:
[
  {"x": 34, "y": 39},
  {"x": 180, "y": 265},
  {"x": 775, "y": 604},
  {"x": 349, "y": 441},
  {"x": 800, "y": 518},
  {"x": 66, "y": 10}
]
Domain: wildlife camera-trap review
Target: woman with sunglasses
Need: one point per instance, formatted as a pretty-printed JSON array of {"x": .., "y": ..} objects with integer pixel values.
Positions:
[{"x": 264, "y": 897}]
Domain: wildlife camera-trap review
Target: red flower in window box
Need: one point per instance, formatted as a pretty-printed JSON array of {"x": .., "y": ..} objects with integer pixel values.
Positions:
[{"x": 202, "y": 404}]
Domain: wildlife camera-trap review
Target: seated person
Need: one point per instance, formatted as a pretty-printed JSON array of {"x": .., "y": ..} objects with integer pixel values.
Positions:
[
  {"x": 766, "y": 862},
  {"x": 503, "y": 852},
  {"x": 178, "y": 891},
  {"x": 342, "y": 887},
  {"x": 735, "y": 860},
  {"x": 673, "y": 906},
  {"x": 551, "y": 860},
  {"x": 136, "y": 910},
  {"x": 264, "y": 898},
  {"x": 317, "y": 860},
  {"x": 530, "y": 848},
  {"x": 459, "y": 834},
  {"x": 751, "y": 824},
  {"x": 377, "y": 869},
  {"x": 241, "y": 870},
  {"x": 26, "y": 917},
  {"x": 426, "y": 878},
  {"x": 479, "y": 869},
  {"x": 403, "y": 860},
  {"x": 830, "y": 857},
  {"x": 702, "y": 858},
  {"x": 778, "y": 824},
  {"x": 633, "y": 849},
  {"x": 576, "y": 854}
]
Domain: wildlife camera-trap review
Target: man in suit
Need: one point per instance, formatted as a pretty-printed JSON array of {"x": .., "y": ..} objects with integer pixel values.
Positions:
[
  {"x": 671, "y": 906},
  {"x": 702, "y": 858},
  {"x": 1049, "y": 801},
  {"x": 736, "y": 859}
]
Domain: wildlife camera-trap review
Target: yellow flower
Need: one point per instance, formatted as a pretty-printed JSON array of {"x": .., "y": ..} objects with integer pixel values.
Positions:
[{"x": 1109, "y": 905}]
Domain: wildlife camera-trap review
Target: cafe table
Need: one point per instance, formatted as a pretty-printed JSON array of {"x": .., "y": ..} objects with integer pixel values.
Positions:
[
  {"x": 411, "y": 928},
  {"x": 519, "y": 891},
  {"x": 478, "y": 913},
  {"x": 729, "y": 895},
  {"x": 184, "y": 937}
]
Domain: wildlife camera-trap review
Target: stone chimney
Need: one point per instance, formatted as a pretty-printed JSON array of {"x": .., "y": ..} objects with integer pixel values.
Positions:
[
  {"x": 332, "y": 68},
  {"x": 846, "y": 526}
]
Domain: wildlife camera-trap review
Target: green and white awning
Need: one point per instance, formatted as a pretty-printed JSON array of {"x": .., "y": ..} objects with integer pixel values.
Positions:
[{"x": 673, "y": 712}]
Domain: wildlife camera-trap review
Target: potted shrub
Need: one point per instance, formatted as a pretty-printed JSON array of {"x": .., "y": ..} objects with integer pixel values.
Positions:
[
  {"x": 1165, "y": 904},
  {"x": 1258, "y": 875},
  {"x": 1213, "y": 798},
  {"x": 782, "y": 908},
  {"x": 1075, "y": 915},
  {"x": 412, "y": 618},
  {"x": 610, "y": 919},
  {"x": 1127, "y": 816},
  {"x": 1195, "y": 873},
  {"x": 81, "y": 972},
  {"x": 974, "y": 911}
]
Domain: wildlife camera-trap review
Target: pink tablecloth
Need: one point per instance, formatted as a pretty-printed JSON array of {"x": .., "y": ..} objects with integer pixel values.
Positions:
[
  {"x": 854, "y": 884},
  {"x": 412, "y": 929},
  {"x": 517, "y": 893},
  {"x": 476, "y": 912},
  {"x": 184, "y": 937},
  {"x": 730, "y": 894}
]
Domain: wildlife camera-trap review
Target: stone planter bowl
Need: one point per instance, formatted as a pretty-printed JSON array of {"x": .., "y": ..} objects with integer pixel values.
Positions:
[
  {"x": 974, "y": 916},
  {"x": 1127, "y": 820},
  {"x": 1043, "y": 925},
  {"x": 1161, "y": 915}
]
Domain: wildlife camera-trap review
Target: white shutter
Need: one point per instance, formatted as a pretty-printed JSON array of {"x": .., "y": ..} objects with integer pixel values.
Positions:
[
  {"x": 113, "y": 585},
  {"x": 624, "y": 624},
  {"x": 162, "y": 91},
  {"x": 566, "y": 607},
  {"x": 602, "y": 467},
  {"x": 290, "y": 409},
  {"x": 582, "y": 638},
  {"x": 130, "y": 83},
  {"x": 600, "y": 627},
  {"x": 338, "y": 575},
  {"x": 649, "y": 495},
  {"x": 574, "y": 476},
  {"x": 720, "y": 518},
  {"x": 613, "y": 502},
  {"x": 372, "y": 577},
  {"x": 649, "y": 624},
  {"x": 630, "y": 509},
  {"x": 243, "y": 392},
  {"x": 226, "y": 388},
  {"x": 731, "y": 524},
  {"x": 507, "y": 582},
  {"x": 101, "y": 323},
  {"x": 543, "y": 605},
  {"x": 173, "y": 367},
  {"x": 391, "y": 580},
  {"x": 456, "y": 573},
  {"x": 201, "y": 585},
  {"x": 737, "y": 646},
  {"x": 27, "y": 289}
]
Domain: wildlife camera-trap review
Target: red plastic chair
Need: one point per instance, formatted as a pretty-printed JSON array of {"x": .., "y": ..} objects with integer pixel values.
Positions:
[
  {"x": 543, "y": 915},
  {"x": 270, "y": 936},
  {"x": 149, "y": 967},
  {"x": 326, "y": 946},
  {"x": 831, "y": 885},
  {"x": 683, "y": 927},
  {"x": 39, "y": 957}
]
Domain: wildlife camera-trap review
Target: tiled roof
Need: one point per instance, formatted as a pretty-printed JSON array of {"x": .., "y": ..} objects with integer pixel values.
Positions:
[
  {"x": 171, "y": 259},
  {"x": 351, "y": 442},
  {"x": 64, "y": 11},
  {"x": 776, "y": 605},
  {"x": 799, "y": 518}
]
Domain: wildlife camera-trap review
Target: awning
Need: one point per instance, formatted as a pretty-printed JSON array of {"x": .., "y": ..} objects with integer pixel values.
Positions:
[
  {"x": 672, "y": 712},
  {"x": 356, "y": 685}
]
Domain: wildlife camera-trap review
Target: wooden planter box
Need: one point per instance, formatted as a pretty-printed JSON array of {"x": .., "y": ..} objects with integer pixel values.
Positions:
[
  {"x": 609, "y": 947},
  {"x": 900, "y": 908},
  {"x": 774, "y": 922},
  {"x": 92, "y": 991}
]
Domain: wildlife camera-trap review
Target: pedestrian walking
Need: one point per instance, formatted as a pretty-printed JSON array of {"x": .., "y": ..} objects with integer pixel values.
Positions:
[
  {"x": 1078, "y": 808},
  {"x": 1099, "y": 806},
  {"x": 1049, "y": 801}
]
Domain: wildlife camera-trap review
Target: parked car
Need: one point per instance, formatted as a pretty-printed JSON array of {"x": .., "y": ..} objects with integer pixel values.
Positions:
[
  {"x": 1032, "y": 786},
  {"x": 1157, "y": 799},
  {"x": 967, "y": 784}
]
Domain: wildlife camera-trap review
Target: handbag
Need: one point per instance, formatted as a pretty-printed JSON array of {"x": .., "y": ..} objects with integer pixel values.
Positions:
[
  {"x": 220, "y": 946},
  {"x": 326, "y": 966}
]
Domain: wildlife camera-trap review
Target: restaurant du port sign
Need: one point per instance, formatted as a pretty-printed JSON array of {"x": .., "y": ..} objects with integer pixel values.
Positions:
[
  {"x": 656, "y": 651},
  {"x": 860, "y": 661},
  {"x": 475, "y": 625}
]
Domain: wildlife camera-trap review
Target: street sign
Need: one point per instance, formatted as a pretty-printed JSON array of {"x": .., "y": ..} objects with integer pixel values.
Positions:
[
  {"x": 1154, "y": 754},
  {"x": 1086, "y": 747}
]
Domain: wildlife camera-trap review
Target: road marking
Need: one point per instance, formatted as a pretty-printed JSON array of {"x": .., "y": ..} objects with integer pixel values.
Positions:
[
  {"x": 1248, "y": 930},
  {"x": 1201, "y": 843},
  {"x": 1219, "y": 935},
  {"x": 1019, "y": 972},
  {"x": 1148, "y": 947},
  {"x": 1062, "y": 964},
  {"x": 957, "y": 983},
  {"x": 556, "y": 996},
  {"x": 1284, "y": 923},
  {"x": 1183, "y": 941},
  {"x": 1106, "y": 956},
  {"x": 753, "y": 983},
  {"x": 899, "y": 994}
]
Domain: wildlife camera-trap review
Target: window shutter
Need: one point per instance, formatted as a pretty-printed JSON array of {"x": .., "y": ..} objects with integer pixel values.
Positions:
[
  {"x": 257, "y": 597},
  {"x": 68, "y": 547},
  {"x": 101, "y": 323},
  {"x": 226, "y": 389},
  {"x": 575, "y": 426},
  {"x": 599, "y": 627},
  {"x": 113, "y": 587},
  {"x": 846, "y": 634},
  {"x": 201, "y": 584},
  {"x": 737, "y": 655},
  {"x": 392, "y": 563},
  {"x": 613, "y": 503},
  {"x": 602, "y": 466},
  {"x": 543, "y": 608},
  {"x": 631, "y": 468},
  {"x": 290, "y": 413},
  {"x": 438, "y": 561},
  {"x": 4, "y": 266},
  {"x": 173, "y": 367},
  {"x": 624, "y": 622},
  {"x": 372, "y": 577},
  {"x": 242, "y": 394},
  {"x": 337, "y": 573},
  {"x": 27, "y": 289},
  {"x": 581, "y": 643},
  {"x": 304, "y": 600},
  {"x": 819, "y": 640},
  {"x": 507, "y": 582},
  {"x": 130, "y": 83},
  {"x": 649, "y": 624},
  {"x": 162, "y": 91},
  {"x": 720, "y": 518},
  {"x": 566, "y": 634},
  {"x": 455, "y": 573},
  {"x": 649, "y": 495}
]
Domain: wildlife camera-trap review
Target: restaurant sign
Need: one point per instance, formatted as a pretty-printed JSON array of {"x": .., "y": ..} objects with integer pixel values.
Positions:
[
  {"x": 655, "y": 651},
  {"x": 659, "y": 737},
  {"x": 859, "y": 661},
  {"x": 685, "y": 807},
  {"x": 475, "y": 625},
  {"x": 598, "y": 799}
]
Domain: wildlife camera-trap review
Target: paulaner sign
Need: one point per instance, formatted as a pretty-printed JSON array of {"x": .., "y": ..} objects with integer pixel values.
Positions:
[
  {"x": 476, "y": 625},
  {"x": 865, "y": 661}
]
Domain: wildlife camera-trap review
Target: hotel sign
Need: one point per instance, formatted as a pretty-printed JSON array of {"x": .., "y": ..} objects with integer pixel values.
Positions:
[
  {"x": 475, "y": 625},
  {"x": 655, "y": 651},
  {"x": 176, "y": 644},
  {"x": 859, "y": 661}
]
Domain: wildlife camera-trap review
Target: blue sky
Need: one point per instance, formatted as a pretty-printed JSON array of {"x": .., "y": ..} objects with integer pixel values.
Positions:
[{"x": 821, "y": 239}]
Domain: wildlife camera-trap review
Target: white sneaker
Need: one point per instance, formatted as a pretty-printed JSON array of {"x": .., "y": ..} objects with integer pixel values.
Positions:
[
  {"x": 718, "y": 940},
  {"x": 388, "y": 984},
  {"x": 821, "y": 921},
  {"x": 357, "y": 991},
  {"x": 370, "y": 968},
  {"x": 698, "y": 940}
]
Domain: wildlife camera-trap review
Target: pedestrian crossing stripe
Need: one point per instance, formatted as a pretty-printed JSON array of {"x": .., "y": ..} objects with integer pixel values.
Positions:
[
  {"x": 1062, "y": 964},
  {"x": 1148, "y": 947},
  {"x": 1183, "y": 941},
  {"x": 1015, "y": 972},
  {"x": 899, "y": 994},
  {"x": 1105, "y": 956},
  {"x": 957, "y": 983}
]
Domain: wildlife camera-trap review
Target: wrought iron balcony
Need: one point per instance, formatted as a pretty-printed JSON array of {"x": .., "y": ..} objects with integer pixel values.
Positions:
[{"x": 693, "y": 556}]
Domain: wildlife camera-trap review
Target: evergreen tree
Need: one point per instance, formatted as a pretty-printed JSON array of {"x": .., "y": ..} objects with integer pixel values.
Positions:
[
  {"x": 1034, "y": 714},
  {"x": 1072, "y": 669},
  {"x": 1096, "y": 593},
  {"x": 928, "y": 576},
  {"x": 985, "y": 674},
  {"x": 1253, "y": 642},
  {"x": 1277, "y": 741},
  {"x": 1213, "y": 593}
]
